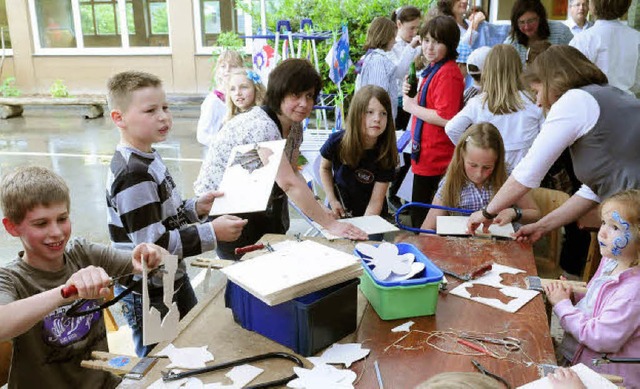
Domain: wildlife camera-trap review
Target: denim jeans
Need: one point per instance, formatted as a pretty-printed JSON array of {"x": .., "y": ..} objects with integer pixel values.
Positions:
[{"x": 184, "y": 296}]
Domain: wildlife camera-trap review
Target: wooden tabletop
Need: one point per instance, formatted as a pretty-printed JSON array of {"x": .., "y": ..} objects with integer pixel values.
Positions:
[
  {"x": 403, "y": 368},
  {"x": 212, "y": 324}
]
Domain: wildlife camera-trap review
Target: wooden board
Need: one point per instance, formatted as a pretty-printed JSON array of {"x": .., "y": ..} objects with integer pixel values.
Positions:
[{"x": 457, "y": 225}]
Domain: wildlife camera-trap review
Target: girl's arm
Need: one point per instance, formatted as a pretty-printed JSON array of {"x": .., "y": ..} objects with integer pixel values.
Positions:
[
  {"x": 378, "y": 197},
  {"x": 463, "y": 119},
  {"x": 427, "y": 114},
  {"x": 430, "y": 221},
  {"x": 528, "y": 207},
  {"x": 326, "y": 176},
  {"x": 607, "y": 332}
]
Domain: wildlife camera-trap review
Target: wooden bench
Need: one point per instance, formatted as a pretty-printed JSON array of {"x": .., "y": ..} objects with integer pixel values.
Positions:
[{"x": 12, "y": 106}]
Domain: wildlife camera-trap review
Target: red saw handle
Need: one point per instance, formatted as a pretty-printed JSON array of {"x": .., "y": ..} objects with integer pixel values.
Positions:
[
  {"x": 248, "y": 249},
  {"x": 69, "y": 291},
  {"x": 480, "y": 271}
]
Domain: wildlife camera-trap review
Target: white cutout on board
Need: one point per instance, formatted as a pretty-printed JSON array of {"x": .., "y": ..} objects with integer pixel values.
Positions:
[
  {"x": 247, "y": 182},
  {"x": 338, "y": 353},
  {"x": 406, "y": 327},
  {"x": 372, "y": 224},
  {"x": 590, "y": 379},
  {"x": 186, "y": 357},
  {"x": 389, "y": 265},
  {"x": 492, "y": 278},
  {"x": 154, "y": 328},
  {"x": 457, "y": 225},
  {"x": 322, "y": 377}
]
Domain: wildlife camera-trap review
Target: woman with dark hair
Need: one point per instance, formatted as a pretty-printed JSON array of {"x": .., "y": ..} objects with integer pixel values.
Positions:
[
  {"x": 293, "y": 88},
  {"x": 599, "y": 122},
  {"x": 439, "y": 99},
  {"x": 529, "y": 24}
]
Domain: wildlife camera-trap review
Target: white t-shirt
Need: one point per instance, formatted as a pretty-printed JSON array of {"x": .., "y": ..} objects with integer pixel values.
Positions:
[
  {"x": 518, "y": 129},
  {"x": 614, "y": 48}
]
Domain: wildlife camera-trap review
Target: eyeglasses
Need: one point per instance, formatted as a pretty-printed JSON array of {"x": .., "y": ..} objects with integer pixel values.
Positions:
[{"x": 527, "y": 22}]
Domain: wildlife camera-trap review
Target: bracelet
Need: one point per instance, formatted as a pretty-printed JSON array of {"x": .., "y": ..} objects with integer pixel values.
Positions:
[
  {"x": 518, "y": 213},
  {"x": 488, "y": 215}
]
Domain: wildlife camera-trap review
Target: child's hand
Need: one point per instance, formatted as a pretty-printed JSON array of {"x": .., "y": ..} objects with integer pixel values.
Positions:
[
  {"x": 415, "y": 42},
  {"x": 228, "y": 227},
  {"x": 337, "y": 210},
  {"x": 346, "y": 230},
  {"x": 475, "y": 220},
  {"x": 477, "y": 18},
  {"x": 91, "y": 282},
  {"x": 565, "y": 378},
  {"x": 557, "y": 291},
  {"x": 151, "y": 253},
  {"x": 205, "y": 202},
  {"x": 505, "y": 216}
]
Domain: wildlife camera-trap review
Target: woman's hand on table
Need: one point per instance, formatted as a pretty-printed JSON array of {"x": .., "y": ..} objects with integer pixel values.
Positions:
[
  {"x": 475, "y": 220},
  {"x": 346, "y": 230},
  {"x": 530, "y": 233}
]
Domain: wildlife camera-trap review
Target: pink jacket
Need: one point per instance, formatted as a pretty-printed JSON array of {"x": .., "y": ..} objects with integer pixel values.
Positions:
[{"x": 614, "y": 328}]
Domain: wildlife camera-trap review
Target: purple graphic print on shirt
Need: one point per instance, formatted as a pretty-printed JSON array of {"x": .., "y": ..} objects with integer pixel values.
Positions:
[{"x": 60, "y": 330}]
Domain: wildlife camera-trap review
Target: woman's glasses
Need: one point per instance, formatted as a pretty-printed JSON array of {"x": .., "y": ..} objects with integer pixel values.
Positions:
[{"x": 527, "y": 22}]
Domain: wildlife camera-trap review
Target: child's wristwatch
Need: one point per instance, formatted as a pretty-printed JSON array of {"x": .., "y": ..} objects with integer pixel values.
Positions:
[{"x": 488, "y": 215}]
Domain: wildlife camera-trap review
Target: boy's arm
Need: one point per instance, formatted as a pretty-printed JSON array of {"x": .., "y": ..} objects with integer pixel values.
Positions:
[
  {"x": 19, "y": 316},
  {"x": 138, "y": 198}
]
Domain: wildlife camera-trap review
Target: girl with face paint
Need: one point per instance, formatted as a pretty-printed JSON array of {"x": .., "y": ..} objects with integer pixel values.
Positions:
[{"x": 605, "y": 319}]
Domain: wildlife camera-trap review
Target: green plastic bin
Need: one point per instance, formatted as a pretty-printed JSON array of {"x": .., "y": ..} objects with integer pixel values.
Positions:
[{"x": 398, "y": 302}]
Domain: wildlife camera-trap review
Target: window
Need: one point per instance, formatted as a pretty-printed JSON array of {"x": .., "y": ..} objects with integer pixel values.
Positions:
[
  {"x": 4, "y": 25},
  {"x": 215, "y": 17},
  {"x": 88, "y": 24}
]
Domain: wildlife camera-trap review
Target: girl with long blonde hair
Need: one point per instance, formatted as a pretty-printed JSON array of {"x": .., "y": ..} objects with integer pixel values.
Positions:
[
  {"x": 503, "y": 103},
  {"x": 245, "y": 90},
  {"x": 475, "y": 174}
]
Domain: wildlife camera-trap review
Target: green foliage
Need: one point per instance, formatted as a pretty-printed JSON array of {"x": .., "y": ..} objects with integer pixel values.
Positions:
[
  {"x": 230, "y": 41},
  {"x": 330, "y": 15},
  {"x": 8, "y": 88},
  {"x": 58, "y": 89}
]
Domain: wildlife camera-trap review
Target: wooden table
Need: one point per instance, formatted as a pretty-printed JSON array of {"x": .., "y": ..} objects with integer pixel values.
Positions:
[{"x": 211, "y": 324}]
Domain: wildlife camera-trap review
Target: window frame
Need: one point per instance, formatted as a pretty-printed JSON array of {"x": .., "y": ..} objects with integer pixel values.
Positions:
[
  {"x": 198, "y": 28},
  {"x": 80, "y": 49}
]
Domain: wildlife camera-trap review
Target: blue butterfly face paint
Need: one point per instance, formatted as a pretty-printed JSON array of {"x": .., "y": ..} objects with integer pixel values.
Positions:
[
  {"x": 620, "y": 242},
  {"x": 616, "y": 236}
]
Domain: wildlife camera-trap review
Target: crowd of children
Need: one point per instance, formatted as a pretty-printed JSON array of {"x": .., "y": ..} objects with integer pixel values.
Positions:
[{"x": 481, "y": 149}]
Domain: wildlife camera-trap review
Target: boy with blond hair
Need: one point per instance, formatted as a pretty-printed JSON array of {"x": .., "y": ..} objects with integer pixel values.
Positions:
[
  {"x": 48, "y": 346},
  {"x": 142, "y": 200}
]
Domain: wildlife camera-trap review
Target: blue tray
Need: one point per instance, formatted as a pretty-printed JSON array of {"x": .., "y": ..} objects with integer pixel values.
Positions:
[{"x": 430, "y": 274}]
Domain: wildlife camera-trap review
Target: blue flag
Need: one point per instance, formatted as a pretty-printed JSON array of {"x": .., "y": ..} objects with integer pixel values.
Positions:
[{"x": 338, "y": 57}]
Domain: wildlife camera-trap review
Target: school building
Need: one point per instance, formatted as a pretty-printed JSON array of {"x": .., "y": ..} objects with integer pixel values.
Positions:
[{"x": 83, "y": 42}]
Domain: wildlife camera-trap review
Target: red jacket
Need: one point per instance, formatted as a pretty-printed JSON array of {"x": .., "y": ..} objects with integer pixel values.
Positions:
[{"x": 445, "y": 96}]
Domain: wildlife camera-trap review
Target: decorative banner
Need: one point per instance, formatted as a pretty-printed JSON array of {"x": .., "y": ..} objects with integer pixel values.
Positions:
[
  {"x": 338, "y": 57},
  {"x": 263, "y": 58}
]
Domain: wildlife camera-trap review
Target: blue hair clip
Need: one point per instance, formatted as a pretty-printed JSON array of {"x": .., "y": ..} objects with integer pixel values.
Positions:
[{"x": 253, "y": 76}]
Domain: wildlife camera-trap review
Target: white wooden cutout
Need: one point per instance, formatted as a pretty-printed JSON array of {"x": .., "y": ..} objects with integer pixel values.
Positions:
[
  {"x": 406, "y": 327},
  {"x": 457, "y": 225},
  {"x": 591, "y": 379},
  {"x": 341, "y": 353},
  {"x": 492, "y": 278},
  {"x": 389, "y": 265},
  {"x": 154, "y": 328},
  {"x": 186, "y": 357},
  {"x": 248, "y": 190},
  {"x": 372, "y": 224},
  {"x": 322, "y": 376}
]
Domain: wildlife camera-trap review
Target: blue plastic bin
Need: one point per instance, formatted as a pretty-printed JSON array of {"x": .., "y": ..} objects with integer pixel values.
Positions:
[
  {"x": 307, "y": 324},
  {"x": 430, "y": 274}
]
